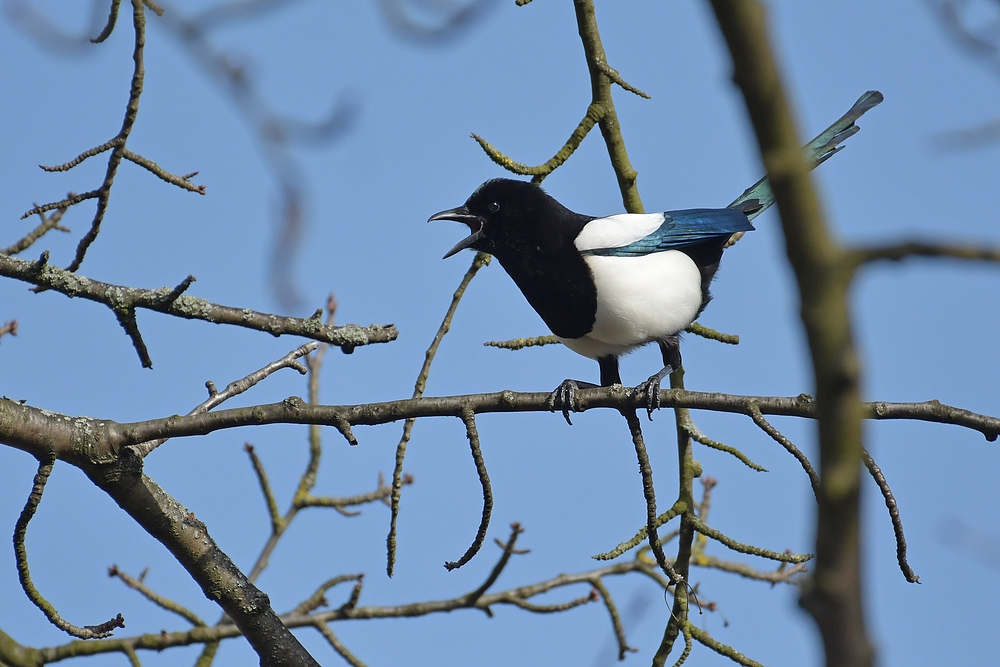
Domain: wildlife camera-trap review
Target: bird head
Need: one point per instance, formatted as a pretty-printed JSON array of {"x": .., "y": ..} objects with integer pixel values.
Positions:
[{"x": 500, "y": 211}]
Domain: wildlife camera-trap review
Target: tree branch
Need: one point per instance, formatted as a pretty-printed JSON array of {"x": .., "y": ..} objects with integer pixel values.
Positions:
[{"x": 164, "y": 300}]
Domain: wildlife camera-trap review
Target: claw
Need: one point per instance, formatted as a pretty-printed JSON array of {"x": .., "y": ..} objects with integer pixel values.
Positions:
[
  {"x": 651, "y": 390},
  {"x": 564, "y": 397}
]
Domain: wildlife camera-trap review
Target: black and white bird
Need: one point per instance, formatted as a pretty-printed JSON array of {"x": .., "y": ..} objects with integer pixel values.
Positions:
[{"x": 604, "y": 286}]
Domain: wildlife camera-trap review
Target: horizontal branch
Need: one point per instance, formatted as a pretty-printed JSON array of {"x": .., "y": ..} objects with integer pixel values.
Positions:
[
  {"x": 900, "y": 251},
  {"x": 203, "y": 635},
  {"x": 87, "y": 440},
  {"x": 167, "y": 300}
]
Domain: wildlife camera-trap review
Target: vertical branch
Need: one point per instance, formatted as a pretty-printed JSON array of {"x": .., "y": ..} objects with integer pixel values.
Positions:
[
  {"x": 687, "y": 470},
  {"x": 833, "y": 596},
  {"x": 117, "y": 153},
  {"x": 21, "y": 557},
  {"x": 469, "y": 418},
  {"x": 600, "y": 84},
  {"x": 481, "y": 259},
  {"x": 649, "y": 492}
]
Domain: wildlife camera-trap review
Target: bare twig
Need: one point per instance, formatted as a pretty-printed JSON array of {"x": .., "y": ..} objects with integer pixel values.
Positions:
[
  {"x": 235, "y": 388},
  {"x": 754, "y": 411},
  {"x": 468, "y": 417},
  {"x": 521, "y": 343},
  {"x": 154, "y": 597},
  {"x": 170, "y": 302},
  {"x": 341, "y": 650},
  {"x": 897, "y": 523},
  {"x": 318, "y": 599},
  {"x": 48, "y": 223},
  {"x": 693, "y": 430},
  {"x": 265, "y": 488},
  {"x": 616, "y": 620},
  {"x": 478, "y": 262},
  {"x": 704, "y": 529},
  {"x": 650, "y": 494},
  {"x": 21, "y": 557}
]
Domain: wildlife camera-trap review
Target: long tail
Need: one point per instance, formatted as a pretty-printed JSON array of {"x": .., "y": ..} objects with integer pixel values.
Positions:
[{"x": 817, "y": 151}]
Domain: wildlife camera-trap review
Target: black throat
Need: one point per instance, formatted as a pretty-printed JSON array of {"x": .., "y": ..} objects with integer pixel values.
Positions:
[{"x": 550, "y": 272}]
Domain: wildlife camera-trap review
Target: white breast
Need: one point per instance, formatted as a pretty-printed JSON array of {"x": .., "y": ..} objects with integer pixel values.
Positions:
[{"x": 639, "y": 300}]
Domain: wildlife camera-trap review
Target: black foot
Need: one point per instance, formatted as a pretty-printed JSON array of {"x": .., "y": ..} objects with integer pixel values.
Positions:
[
  {"x": 564, "y": 397},
  {"x": 651, "y": 389}
]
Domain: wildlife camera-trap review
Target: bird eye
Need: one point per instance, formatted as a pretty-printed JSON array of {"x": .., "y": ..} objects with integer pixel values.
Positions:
[{"x": 494, "y": 206}]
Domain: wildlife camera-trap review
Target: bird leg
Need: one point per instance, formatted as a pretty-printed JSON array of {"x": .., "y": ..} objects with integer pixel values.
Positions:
[
  {"x": 565, "y": 394},
  {"x": 670, "y": 349}
]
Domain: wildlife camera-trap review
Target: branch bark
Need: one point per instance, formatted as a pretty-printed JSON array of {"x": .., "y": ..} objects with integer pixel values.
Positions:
[{"x": 833, "y": 596}]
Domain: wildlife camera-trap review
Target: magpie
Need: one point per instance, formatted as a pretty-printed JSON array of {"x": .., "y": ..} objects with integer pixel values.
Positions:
[{"x": 604, "y": 286}]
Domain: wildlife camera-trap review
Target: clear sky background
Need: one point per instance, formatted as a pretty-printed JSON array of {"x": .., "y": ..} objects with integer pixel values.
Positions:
[{"x": 517, "y": 76}]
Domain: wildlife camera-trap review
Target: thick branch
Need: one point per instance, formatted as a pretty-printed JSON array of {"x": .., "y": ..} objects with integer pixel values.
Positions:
[{"x": 834, "y": 596}]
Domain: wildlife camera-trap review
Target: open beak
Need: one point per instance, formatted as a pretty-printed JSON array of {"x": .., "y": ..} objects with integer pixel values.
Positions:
[{"x": 461, "y": 214}]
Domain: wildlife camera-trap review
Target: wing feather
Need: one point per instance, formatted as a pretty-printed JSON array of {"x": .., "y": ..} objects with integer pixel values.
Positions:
[{"x": 678, "y": 230}]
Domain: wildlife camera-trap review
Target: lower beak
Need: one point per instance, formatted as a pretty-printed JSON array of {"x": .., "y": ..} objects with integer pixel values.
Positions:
[{"x": 461, "y": 214}]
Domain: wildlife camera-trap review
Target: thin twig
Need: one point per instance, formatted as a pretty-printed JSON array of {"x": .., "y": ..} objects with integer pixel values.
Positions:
[
  {"x": 318, "y": 599},
  {"x": 678, "y": 508},
  {"x": 236, "y": 388},
  {"x": 341, "y": 650},
  {"x": 156, "y": 598},
  {"x": 616, "y": 619},
  {"x": 47, "y": 224},
  {"x": 754, "y": 411},
  {"x": 21, "y": 557},
  {"x": 650, "y": 494},
  {"x": 897, "y": 523},
  {"x": 265, "y": 488},
  {"x": 704, "y": 529},
  {"x": 595, "y": 113},
  {"x": 693, "y": 430},
  {"x": 469, "y": 418},
  {"x": 479, "y": 261},
  {"x": 166, "y": 300}
]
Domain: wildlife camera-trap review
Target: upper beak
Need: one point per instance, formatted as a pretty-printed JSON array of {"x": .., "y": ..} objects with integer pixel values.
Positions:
[{"x": 461, "y": 214}]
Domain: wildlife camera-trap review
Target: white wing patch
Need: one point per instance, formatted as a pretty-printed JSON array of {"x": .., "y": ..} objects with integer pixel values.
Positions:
[{"x": 616, "y": 231}]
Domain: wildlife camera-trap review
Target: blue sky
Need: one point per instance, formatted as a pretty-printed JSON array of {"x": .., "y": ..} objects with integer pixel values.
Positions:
[{"x": 517, "y": 77}]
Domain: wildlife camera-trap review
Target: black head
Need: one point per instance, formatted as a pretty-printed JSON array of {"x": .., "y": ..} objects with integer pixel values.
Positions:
[{"x": 507, "y": 215}]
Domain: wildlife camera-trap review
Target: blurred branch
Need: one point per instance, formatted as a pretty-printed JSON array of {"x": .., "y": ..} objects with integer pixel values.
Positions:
[
  {"x": 901, "y": 251},
  {"x": 275, "y": 133},
  {"x": 434, "y": 21},
  {"x": 833, "y": 596},
  {"x": 9, "y": 328},
  {"x": 171, "y": 302},
  {"x": 973, "y": 26}
]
